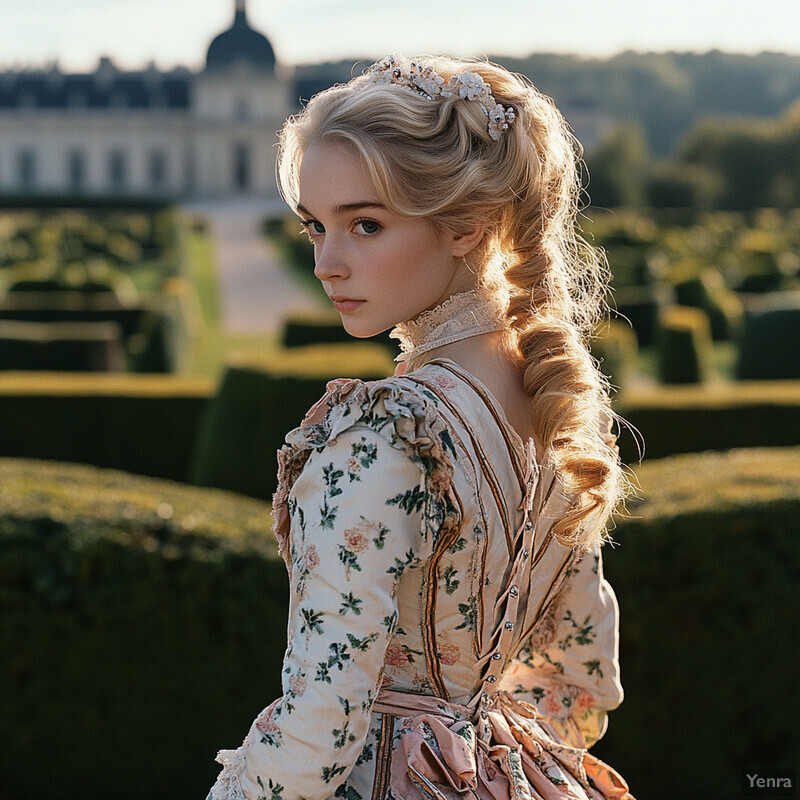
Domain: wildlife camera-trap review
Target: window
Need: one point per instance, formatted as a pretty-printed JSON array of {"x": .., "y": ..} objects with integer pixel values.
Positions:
[
  {"x": 241, "y": 167},
  {"x": 76, "y": 171},
  {"x": 117, "y": 170},
  {"x": 26, "y": 169},
  {"x": 157, "y": 169}
]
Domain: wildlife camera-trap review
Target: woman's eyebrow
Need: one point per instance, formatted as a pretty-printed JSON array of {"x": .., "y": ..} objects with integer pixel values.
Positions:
[{"x": 347, "y": 208}]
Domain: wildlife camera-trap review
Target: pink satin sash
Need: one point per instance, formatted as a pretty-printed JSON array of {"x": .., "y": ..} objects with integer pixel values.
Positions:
[{"x": 498, "y": 748}]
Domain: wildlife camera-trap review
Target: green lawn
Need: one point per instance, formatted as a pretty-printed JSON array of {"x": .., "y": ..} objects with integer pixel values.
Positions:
[{"x": 211, "y": 346}]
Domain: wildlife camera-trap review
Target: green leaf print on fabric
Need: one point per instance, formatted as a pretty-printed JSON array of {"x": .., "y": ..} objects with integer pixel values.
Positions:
[
  {"x": 350, "y": 603},
  {"x": 275, "y": 790},
  {"x": 349, "y": 559},
  {"x": 362, "y": 644},
  {"x": 380, "y": 540},
  {"x": 348, "y": 792},
  {"x": 450, "y": 581},
  {"x": 410, "y": 501},
  {"x": 312, "y": 621},
  {"x": 390, "y": 622},
  {"x": 399, "y": 567},
  {"x": 470, "y": 612},
  {"x": 329, "y": 773},
  {"x": 582, "y": 633},
  {"x": 366, "y": 755},
  {"x": 330, "y": 477},
  {"x": 593, "y": 668},
  {"x": 339, "y": 656},
  {"x": 341, "y": 736},
  {"x": 362, "y": 456}
]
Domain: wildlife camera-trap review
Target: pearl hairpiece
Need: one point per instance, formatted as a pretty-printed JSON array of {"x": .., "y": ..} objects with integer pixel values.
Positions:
[{"x": 426, "y": 81}]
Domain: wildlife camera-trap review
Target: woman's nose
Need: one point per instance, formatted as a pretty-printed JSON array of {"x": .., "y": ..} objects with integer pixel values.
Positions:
[{"x": 328, "y": 262}]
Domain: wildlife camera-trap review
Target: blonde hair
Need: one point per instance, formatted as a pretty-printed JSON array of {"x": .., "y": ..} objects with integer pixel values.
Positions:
[{"x": 436, "y": 159}]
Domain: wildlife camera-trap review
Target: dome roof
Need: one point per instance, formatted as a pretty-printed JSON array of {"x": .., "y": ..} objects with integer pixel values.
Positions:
[{"x": 240, "y": 43}]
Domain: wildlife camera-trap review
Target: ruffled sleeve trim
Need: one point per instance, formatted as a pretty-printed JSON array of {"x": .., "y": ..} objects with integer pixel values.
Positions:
[
  {"x": 394, "y": 409},
  {"x": 229, "y": 781}
]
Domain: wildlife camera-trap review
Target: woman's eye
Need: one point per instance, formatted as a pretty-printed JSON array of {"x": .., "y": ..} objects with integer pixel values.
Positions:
[
  {"x": 312, "y": 227},
  {"x": 367, "y": 226}
]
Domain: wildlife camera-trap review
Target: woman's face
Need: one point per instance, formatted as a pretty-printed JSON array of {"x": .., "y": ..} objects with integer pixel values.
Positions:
[{"x": 377, "y": 267}]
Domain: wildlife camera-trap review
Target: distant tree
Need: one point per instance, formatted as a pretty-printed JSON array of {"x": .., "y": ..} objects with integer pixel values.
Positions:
[
  {"x": 757, "y": 161},
  {"x": 617, "y": 168},
  {"x": 673, "y": 184}
]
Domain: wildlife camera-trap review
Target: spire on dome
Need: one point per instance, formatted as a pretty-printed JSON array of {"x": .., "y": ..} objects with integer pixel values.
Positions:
[{"x": 240, "y": 43}]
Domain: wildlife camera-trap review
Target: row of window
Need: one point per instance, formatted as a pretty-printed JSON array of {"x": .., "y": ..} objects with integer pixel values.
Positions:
[{"x": 117, "y": 170}]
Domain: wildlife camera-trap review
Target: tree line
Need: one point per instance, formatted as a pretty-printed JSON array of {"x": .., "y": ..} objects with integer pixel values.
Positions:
[{"x": 715, "y": 129}]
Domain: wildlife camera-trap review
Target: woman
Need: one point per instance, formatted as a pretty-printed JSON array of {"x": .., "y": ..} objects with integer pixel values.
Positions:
[{"x": 450, "y": 630}]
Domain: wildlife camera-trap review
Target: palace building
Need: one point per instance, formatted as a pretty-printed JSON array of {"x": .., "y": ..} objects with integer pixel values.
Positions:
[{"x": 176, "y": 134}]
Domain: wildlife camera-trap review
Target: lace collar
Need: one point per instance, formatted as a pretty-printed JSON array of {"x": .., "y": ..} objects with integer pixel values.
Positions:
[{"x": 459, "y": 317}]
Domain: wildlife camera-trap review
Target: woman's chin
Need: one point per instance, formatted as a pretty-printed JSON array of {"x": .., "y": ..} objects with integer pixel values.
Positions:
[{"x": 358, "y": 329}]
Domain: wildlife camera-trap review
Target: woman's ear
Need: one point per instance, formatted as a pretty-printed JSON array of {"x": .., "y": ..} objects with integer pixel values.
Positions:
[{"x": 466, "y": 241}]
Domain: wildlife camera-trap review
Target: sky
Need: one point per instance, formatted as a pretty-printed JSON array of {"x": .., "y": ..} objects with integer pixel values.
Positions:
[{"x": 177, "y": 32}]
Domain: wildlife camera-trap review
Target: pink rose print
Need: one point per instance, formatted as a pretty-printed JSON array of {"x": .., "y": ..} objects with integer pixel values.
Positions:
[
  {"x": 449, "y": 653},
  {"x": 297, "y": 683},
  {"x": 311, "y": 557},
  {"x": 395, "y": 657},
  {"x": 353, "y": 465},
  {"x": 552, "y": 706},
  {"x": 356, "y": 540},
  {"x": 584, "y": 700},
  {"x": 443, "y": 382},
  {"x": 265, "y": 724}
]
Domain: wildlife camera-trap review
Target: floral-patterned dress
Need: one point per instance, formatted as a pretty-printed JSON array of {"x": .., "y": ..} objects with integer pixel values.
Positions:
[{"x": 442, "y": 642}]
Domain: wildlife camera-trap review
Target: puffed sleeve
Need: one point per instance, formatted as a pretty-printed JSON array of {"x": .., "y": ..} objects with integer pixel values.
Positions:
[
  {"x": 360, "y": 516},
  {"x": 569, "y": 668}
]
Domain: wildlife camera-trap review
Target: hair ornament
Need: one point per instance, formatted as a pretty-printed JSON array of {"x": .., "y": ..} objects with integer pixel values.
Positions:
[{"x": 426, "y": 81}]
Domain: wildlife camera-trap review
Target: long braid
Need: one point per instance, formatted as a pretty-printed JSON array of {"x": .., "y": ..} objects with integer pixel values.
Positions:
[{"x": 552, "y": 307}]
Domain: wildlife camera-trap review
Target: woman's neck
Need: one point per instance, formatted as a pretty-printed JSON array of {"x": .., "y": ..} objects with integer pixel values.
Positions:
[{"x": 463, "y": 316}]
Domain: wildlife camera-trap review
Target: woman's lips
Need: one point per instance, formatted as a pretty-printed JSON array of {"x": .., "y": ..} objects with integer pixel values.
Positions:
[{"x": 345, "y": 304}]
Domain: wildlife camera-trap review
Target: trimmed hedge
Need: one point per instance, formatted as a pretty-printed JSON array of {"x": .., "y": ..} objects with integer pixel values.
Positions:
[
  {"x": 68, "y": 346},
  {"x": 151, "y": 424},
  {"x": 143, "y": 424},
  {"x": 641, "y": 306},
  {"x": 616, "y": 349},
  {"x": 706, "y": 574},
  {"x": 71, "y": 306},
  {"x": 685, "y": 349},
  {"x": 770, "y": 341},
  {"x": 258, "y": 404},
  {"x": 145, "y": 625},
  {"x": 307, "y": 329},
  {"x": 142, "y": 625},
  {"x": 720, "y": 416}
]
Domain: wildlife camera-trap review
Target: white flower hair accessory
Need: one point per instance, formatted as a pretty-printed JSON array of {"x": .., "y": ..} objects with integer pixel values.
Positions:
[{"x": 426, "y": 81}]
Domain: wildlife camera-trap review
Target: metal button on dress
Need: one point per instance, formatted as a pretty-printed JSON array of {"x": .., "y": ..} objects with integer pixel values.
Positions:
[
  {"x": 497, "y": 656},
  {"x": 513, "y": 591},
  {"x": 509, "y": 625}
]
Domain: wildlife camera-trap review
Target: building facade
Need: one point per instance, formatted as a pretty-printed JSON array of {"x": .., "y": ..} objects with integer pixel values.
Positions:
[{"x": 177, "y": 134}]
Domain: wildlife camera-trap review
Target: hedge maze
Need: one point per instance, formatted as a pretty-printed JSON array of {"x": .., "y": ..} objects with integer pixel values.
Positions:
[{"x": 142, "y": 601}]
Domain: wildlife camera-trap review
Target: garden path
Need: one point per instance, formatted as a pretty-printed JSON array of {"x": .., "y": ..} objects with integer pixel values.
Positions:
[{"x": 257, "y": 289}]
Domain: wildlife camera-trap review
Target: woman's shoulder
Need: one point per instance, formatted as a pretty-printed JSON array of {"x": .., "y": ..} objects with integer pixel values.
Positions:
[{"x": 396, "y": 409}]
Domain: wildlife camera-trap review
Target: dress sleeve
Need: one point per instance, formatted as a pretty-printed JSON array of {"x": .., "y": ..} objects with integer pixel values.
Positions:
[
  {"x": 358, "y": 521},
  {"x": 569, "y": 668}
]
